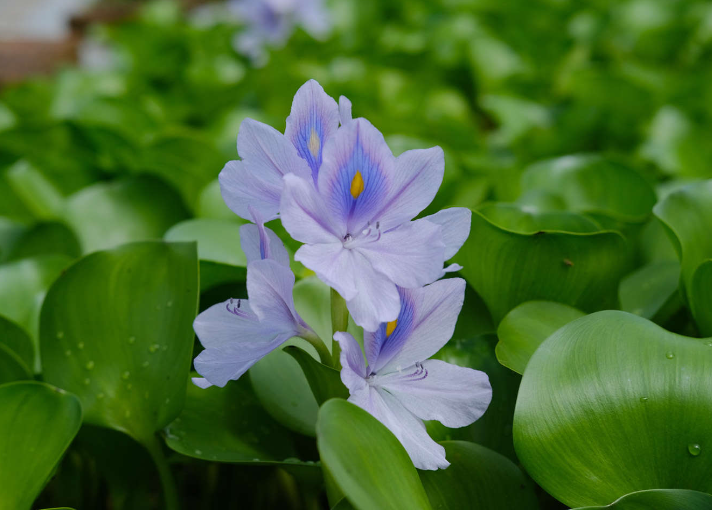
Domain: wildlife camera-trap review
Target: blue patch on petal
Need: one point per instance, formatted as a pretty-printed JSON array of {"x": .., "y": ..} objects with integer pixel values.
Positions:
[
  {"x": 388, "y": 346},
  {"x": 310, "y": 142}
]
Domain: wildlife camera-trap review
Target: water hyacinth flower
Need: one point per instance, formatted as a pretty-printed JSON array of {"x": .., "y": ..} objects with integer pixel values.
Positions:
[
  {"x": 401, "y": 387},
  {"x": 239, "y": 332}
]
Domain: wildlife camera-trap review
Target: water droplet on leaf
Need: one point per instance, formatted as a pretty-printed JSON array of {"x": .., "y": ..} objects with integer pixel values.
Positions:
[
  {"x": 643, "y": 399},
  {"x": 80, "y": 345},
  {"x": 694, "y": 449},
  {"x": 90, "y": 365},
  {"x": 126, "y": 375},
  {"x": 670, "y": 355},
  {"x": 153, "y": 348},
  {"x": 60, "y": 335},
  {"x": 132, "y": 339}
]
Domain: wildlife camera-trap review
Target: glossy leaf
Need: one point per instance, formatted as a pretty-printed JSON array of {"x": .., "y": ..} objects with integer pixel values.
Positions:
[
  {"x": 660, "y": 499},
  {"x": 106, "y": 215},
  {"x": 324, "y": 381},
  {"x": 36, "y": 426},
  {"x": 508, "y": 268},
  {"x": 651, "y": 291},
  {"x": 366, "y": 460},
  {"x": 18, "y": 341},
  {"x": 12, "y": 367},
  {"x": 45, "y": 238},
  {"x": 599, "y": 394},
  {"x": 528, "y": 220},
  {"x": 478, "y": 478},
  {"x": 523, "y": 330},
  {"x": 126, "y": 354}
]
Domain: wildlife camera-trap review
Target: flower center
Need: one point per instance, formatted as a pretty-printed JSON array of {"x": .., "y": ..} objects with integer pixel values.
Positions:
[
  {"x": 314, "y": 144},
  {"x": 390, "y": 327},
  {"x": 356, "y": 184}
]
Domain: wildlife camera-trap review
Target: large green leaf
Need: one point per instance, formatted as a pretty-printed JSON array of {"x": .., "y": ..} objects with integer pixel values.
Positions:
[
  {"x": 508, "y": 268},
  {"x": 12, "y": 367},
  {"x": 37, "y": 424},
  {"x": 651, "y": 291},
  {"x": 523, "y": 330},
  {"x": 609, "y": 390},
  {"x": 43, "y": 238},
  {"x": 687, "y": 213},
  {"x": 116, "y": 330},
  {"x": 106, "y": 215},
  {"x": 528, "y": 220},
  {"x": 478, "y": 478},
  {"x": 366, "y": 460},
  {"x": 221, "y": 257},
  {"x": 660, "y": 499},
  {"x": 18, "y": 341}
]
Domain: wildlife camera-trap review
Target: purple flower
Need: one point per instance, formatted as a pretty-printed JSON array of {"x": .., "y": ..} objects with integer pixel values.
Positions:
[
  {"x": 239, "y": 332},
  {"x": 401, "y": 387}
]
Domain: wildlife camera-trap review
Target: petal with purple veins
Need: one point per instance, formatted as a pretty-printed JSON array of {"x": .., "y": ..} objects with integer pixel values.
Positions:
[
  {"x": 259, "y": 242},
  {"x": 304, "y": 214},
  {"x": 270, "y": 286}
]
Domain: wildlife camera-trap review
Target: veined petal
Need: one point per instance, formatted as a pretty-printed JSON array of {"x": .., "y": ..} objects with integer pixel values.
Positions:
[
  {"x": 426, "y": 322},
  {"x": 408, "y": 428},
  {"x": 435, "y": 390},
  {"x": 269, "y": 286},
  {"x": 410, "y": 256},
  {"x": 357, "y": 147},
  {"x": 353, "y": 367},
  {"x": 259, "y": 242},
  {"x": 223, "y": 322},
  {"x": 333, "y": 264},
  {"x": 455, "y": 223},
  {"x": 416, "y": 178},
  {"x": 304, "y": 215},
  {"x": 344, "y": 110},
  {"x": 376, "y": 298},
  {"x": 244, "y": 190},
  {"x": 314, "y": 118}
]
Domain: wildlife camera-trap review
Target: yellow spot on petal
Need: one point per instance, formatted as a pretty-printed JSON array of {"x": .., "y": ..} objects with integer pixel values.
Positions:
[
  {"x": 391, "y": 326},
  {"x": 357, "y": 185},
  {"x": 314, "y": 144}
]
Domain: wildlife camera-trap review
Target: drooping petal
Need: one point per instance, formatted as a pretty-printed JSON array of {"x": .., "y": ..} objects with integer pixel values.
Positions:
[
  {"x": 455, "y": 223},
  {"x": 333, "y": 264},
  {"x": 269, "y": 286},
  {"x": 304, "y": 214},
  {"x": 376, "y": 298},
  {"x": 426, "y": 322},
  {"x": 410, "y": 256},
  {"x": 408, "y": 429},
  {"x": 416, "y": 178},
  {"x": 201, "y": 382},
  {"x": 353, "y": 367},
  {"x": 259, "y": 242},
  {"x": 435, "y": 390},
  {"x": 242, "y": 189},
  {"x": 314, "y": 118},
  {"x": 354, "y": 177},
  {"x": 344, "y": 110}
]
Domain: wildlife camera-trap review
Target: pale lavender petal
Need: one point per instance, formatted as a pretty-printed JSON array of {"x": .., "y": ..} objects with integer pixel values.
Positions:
[
  {"x": 314, "y": 119},
  {"x": 356, "y": 147},
  {"x": 344, "y": 110},
  {"x": 353, "y": 367},
  {"x": 259, "y": 242},
  {"x": 416, "y": 178},
  {"x": 426, "y": 322},
  {"x": 304, "y": 214},
  {"x": 201, "y": 382},
  {"x": 410, "y": 256},
  {"x": 333, "y": 264},
  {"x": 408, "y": 428},
  {"x": 435, "y": 390},
  {"x": 243, "y": 190},
  {"x": 270, "y": 286},
  {"x": 455, "y": 223},
  {"x": 376, "y": 298},
  {"x": 225, "y": 321},
  {"x": 452, "y": 268}
]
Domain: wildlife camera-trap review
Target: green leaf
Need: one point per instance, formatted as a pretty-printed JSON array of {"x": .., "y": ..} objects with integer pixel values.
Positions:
[
  {"x": 507, "y": 268},
  {"x": 651, "y": 291},
  {"x": 12, "y": 368},
  {"x": 37, "y": 424},
  {"x": 527, "y": 220},
  {"x": 366, "y": 460},
  {"x": 523, "y": 330},
  {"x": 116, "y": 330},
  {"x": 599, "y": 394},
  {"x": 106, "y": 215},
  {"x": 18, "y": 341},
  {"x": 478, "y": 478},
  {"x": 221, "y": 257},
  {"x": 35, "y": 190},
  {"x": 283, "y": 390},
  {"x": 45, "y": 238},
  {"x": 660, "y": 499},
  {"x": 687, "y": 213},
  {"x": 212, "y": 205},
  {"x": 591, "y": 184},
  {"x": 324, "y": 381}
]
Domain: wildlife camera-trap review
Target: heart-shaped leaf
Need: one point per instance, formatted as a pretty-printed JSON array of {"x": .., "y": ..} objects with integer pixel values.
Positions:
[
  {"x": 660, "y": 499},
  {"x": 599, "y": 394},
  {"x": 522, "y": 330},
  {"x": 508, "y": 268},
  {"x": 116, "y": 330},
  {"x": 478, "y": 478},
  {"x": 37, "y": 424},
  {"x": 366, "y": 461}
]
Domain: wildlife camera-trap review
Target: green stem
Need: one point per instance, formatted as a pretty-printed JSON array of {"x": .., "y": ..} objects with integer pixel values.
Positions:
[
  {"x": 319, "y": 345},
  {"x": 339, "y": 322},
  {"x": 168, "y": 484}
]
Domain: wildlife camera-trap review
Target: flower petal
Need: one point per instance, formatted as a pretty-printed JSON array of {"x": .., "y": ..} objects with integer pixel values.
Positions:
[
  {"x": 269, "y": 286},
  {"x": 333, "y": 264},
  {"x": 425, "y": 323},
  {"x": 304, "y": 214},
  {"x": 356, "y": 147},
  {"x": 376, "y": 298},
  {"x": 455, "y": 223},
  {"x": 259, "y": 242},
  {"x": 408, "y": 429},
  {"x": 416, "y": 178},
  {"x": 242, "y": 190},
  {"x": 410, "y": 256},
  {"x": 314, "y": 118},
  {"x": 435, "y": 390},
  {"x": 353, "y": 367},
  {"x": 344, "y": 110}
]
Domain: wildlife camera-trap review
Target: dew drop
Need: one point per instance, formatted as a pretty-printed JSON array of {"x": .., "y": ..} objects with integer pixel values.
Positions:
[
  {"x": 145, "y": 364},
  {"x": 670, "y": 355},
  {"x": 67, "y": 353},
  {"x": 709, "y": 344},
  {"x": 60, "y": 335},
  {"x": 126, "y": 375},
  {"x": 168, "y": 401},
  {"x": 169, "y": 304},
  {"x": 80, "y": 345},
  {"x": 643, "y": 399},
  {"x": 198, "y": 452},
  {"x": 164, "y": 348},
  {"x": 87, "y": 381},
  {"x": 153, "y": 348},
  {"x": 694, "y": 449},
  {"x": 129, "y": 386},
  {"x": 89, "y": 365},
  {"x": 100, "y": 396},
  {"x": 132, "y": 339},
  {"x": 127, "y": 414}
]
